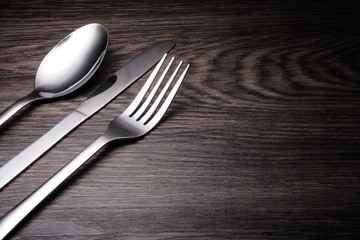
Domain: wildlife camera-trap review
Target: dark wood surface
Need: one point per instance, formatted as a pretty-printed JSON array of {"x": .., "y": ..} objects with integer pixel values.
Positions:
[{"x": 261, "y": 142}]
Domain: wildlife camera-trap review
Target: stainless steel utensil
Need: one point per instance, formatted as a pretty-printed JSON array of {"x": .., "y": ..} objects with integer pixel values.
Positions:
[
  {"x": 118, "y": 82},
  {"x": 66, "y": 67},
  {"x": 136, "y": 121}
]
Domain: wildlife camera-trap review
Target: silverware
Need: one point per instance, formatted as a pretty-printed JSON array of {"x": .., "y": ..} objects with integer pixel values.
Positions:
[
  {"x": 118, "y": 82},
  {"x": 136, "y": 121},
  {"x": 66, "y": 67}
]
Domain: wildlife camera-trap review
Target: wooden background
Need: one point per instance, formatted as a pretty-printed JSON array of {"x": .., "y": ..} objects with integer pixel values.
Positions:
[{"x": 262, "y": 141}]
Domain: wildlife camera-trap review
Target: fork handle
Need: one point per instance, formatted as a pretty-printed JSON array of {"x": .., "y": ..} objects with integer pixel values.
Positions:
[{"x": 12, "y": 218}]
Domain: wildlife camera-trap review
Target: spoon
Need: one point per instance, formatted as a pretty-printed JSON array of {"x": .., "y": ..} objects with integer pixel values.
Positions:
[{"x": 66, "y": 67}]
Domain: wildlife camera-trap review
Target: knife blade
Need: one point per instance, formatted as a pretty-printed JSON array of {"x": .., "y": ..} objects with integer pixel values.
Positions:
[{"x": 117, "y": 83}]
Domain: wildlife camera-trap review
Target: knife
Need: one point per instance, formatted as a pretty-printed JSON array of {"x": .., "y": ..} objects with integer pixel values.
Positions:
[{"x": 117, "y": 83}]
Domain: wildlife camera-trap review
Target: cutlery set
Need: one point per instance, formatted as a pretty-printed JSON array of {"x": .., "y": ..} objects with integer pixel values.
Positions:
[{"x": 88, "y": 46}]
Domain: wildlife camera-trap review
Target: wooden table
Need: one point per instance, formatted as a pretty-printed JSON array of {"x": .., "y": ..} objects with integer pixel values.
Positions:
[{"x": 261, "y": 142}]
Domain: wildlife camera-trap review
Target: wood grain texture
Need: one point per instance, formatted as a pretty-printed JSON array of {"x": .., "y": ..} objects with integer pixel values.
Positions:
[{"x": 261, "y": 142}]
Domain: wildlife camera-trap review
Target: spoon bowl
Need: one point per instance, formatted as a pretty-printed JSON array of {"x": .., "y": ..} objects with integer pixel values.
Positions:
[{"x": 68, "y": 66}]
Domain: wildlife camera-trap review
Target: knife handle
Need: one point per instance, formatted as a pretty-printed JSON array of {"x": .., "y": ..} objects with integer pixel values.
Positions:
[{"x": 12, "y": 218}]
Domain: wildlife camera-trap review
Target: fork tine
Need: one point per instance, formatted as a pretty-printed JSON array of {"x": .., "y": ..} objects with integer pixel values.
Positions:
[
  {"x": 150, "y": 112},
  {"x": 141, "y": 110},
  {"x": 167, "y": 101},
  {"x": 135, "y": 103}
]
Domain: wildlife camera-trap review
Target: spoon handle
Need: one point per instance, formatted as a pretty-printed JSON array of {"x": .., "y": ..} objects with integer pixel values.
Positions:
[{"x": 17, "y": 106}]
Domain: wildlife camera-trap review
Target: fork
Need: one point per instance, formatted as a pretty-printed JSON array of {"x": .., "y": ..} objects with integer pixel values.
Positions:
[{"x": 136, "y": 121}]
